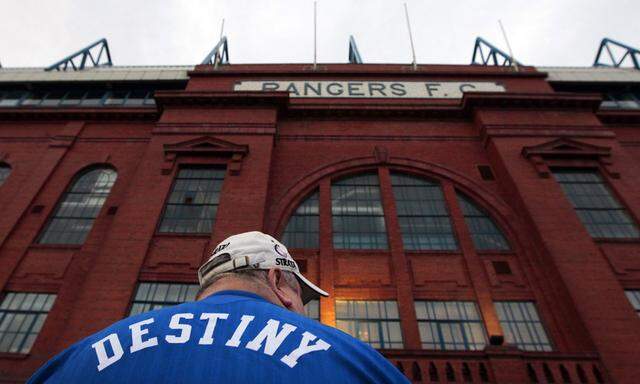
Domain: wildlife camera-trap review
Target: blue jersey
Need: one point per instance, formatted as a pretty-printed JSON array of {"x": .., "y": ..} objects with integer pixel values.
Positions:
[{"x": 229, "y": 337}]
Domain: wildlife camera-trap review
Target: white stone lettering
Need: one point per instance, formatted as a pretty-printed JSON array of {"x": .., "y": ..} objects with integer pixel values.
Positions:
[
  {"x": 137, "y": 344},
  {"x": 101, "y": 352},
  {"x": 234, "y": 341},
  {"x": 292, "y": 358},
  {"x": 207, "y": 337},
  {"x": 271, "y": 337},
  {"x": 185, "y": 329}
]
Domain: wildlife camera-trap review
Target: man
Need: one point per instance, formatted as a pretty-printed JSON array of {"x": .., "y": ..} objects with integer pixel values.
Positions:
[{"x": 246, "y": 327}]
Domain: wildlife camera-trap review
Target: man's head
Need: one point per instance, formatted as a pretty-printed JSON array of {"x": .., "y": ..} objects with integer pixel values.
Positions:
[{"x": 258, "y": 263}]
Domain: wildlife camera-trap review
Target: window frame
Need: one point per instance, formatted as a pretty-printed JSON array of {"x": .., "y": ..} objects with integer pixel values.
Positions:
[
  {"x": 35, "y": 313},
  {"x": 191, "y": 165},
  {"x": 163, "y": 304},
  {"x": 307, "y": 197},
  {"x": 523, "y": 347},
  {"x": 379, "y": 321},
  {"x": 67, "y": 191},
  {"x": 460, "y": 322},
  {"x": 604, "y": 180}
]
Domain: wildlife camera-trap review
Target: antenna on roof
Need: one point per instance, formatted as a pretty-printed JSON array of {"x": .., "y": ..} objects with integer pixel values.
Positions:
[
  {"x": 70, "y": 62},
  {"x": 220, "y": 53},
  {"x": 413, "y": 50},
  {"x": 513, "y": 59},
  {"x": 315, "y": 54}
]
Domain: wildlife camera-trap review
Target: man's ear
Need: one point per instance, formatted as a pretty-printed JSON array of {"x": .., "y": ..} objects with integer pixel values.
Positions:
[{"x": 277, "y": 284}]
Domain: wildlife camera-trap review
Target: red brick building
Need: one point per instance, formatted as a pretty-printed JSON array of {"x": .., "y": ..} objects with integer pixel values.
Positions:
[{"x": 475, "y": 223}]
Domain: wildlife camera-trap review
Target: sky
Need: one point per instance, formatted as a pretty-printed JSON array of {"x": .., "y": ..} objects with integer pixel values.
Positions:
[{"x": 37, "y": 33}]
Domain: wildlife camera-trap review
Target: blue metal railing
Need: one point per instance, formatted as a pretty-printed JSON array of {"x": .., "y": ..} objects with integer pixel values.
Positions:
[
  {"x": 94, "y": 53},
  {"x": 354, "y": 54},
  {"x": 219, "y": 54},
  {"x": 485, "y": 53},
  {"x": 630, "y": 53}
]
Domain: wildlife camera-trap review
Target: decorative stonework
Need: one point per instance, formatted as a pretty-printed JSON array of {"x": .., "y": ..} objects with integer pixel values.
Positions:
[
  {"x": 568, "y": 152},
  {"x": 205, "y": 146}
]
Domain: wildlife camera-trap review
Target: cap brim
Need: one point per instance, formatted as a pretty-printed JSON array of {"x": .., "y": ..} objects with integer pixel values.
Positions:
[{"x": 309, "y": 290}]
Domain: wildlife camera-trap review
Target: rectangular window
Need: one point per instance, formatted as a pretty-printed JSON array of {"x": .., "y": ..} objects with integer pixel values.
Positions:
[
  {"x": 358, "y": 218},
  {"x": 22, "y": 315},
  {"x": 193, "y": 201},
  {"x": 450, "y": 325},
  {"x": 634, "y": 299},
  {"x": 422, "y": 214},
  {"x": 312, "y": 309},
  {"x": 303, "y": 230},
  {"x": 374, "y": 322},
  {"x": 595, "y": 204},
  {"x": 522, "y": 325},
  {"x": 152, "y": 296}
]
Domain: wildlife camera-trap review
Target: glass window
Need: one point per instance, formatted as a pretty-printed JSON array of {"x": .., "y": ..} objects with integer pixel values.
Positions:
[
  {"x": 485, "y": 233},
  {"x": 522, "y": 325},
  {"x": 5, "y": 170},
  {"x": 115, "y": 98},
  {"x": 11, "y": 99},
  {"x": 93, "y": 98},
  {"x": 53, "y": 99},
  {"x": 22, "y": 315},
  {"x": 634, "y": 299},
  {"x": 596, "y": 206},
  {"x": 33, "y": 98},
  {"x": 193, "y": 201},
  {"x": 450, "y": 325},
  {"x": 302, "y": 230},
  {"x": 422, "y": 214},
  {"x": 72, "y": 98},
  {"x": 374, "y": 322},
  {"x": 358, "y": 218},
  {"x": 312, "y": 309},
  {"x": 152, "y": 296},
  {"x": 80, "y": 205}
]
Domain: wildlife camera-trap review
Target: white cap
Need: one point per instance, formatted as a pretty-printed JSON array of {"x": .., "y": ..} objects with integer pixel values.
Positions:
[{"x": 255, "y": 250}]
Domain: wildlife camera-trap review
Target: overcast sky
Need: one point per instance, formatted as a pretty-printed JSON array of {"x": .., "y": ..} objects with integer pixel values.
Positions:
[{"x": 163, "y": 32}]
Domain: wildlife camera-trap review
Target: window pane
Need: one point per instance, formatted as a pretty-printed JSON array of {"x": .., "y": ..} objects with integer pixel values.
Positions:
[
  {"x": 374, "y": 322},
  {"x": 596, "y": 206},
  {"x": 21, "y": 318},
  {"x": 484, "y": 232},
  {"x": 422, "y": 214},
  {"x": 634, "y": 299},
  {"x": 193, "y": 201},
  {"x": 5, "y": 170},
  {"x": 302, "y": 231},
  {"x": 312, "y": 309},
  {"x": 75, "y": 213},
  {"x": 151, "y": 296},
  {"x": 522, "y": 325},
  {"x": 450, "y": 325},
  {"x": 358, "y": 218}
]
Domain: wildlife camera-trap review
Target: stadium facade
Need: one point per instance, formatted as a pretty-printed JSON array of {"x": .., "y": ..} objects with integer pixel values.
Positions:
[{"x": 476, "y": 223}]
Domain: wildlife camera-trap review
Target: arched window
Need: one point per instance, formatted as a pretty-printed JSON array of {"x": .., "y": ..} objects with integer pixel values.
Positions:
[
  {"x": 358, "y": 218},
  {"x": 485, "y": 233},
  {"x": 80, "y": 205},
  {"x": 302, "y": 231},
  {"x": 5, "y": 170},
  {"x": 422, "y": 214}
]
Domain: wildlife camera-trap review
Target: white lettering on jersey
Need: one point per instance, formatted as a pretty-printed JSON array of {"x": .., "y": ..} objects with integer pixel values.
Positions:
[
  {"x": 234, "y": 341},
  {"x": 185, "y": 329},
  {"x": 272, "y": 336},
  {"x": 101, "y": 352},
  {"x": 136, "y": 336},
  {"x": 292, "y": 358},
  {"x": 207, "y": 337}
]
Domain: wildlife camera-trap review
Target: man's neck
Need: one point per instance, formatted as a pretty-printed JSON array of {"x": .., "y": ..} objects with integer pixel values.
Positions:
[{"x": 239, "y": 284}]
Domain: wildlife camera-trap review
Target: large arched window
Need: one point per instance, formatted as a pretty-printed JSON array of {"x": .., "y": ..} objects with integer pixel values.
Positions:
[
  {"x": 358, "y": 218},
  {"x": 302, "y": 231},
  {"x": 80, "y": 205},
  {"x": 422, "y": 214},
  {"x": 5, "y": 170},
  {"x": 484, "y": 232}
]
